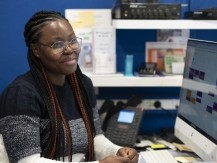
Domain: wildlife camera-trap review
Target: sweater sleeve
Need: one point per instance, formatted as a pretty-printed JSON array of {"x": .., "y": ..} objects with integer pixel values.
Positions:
[
  {"x": 101, "y": 150},
  {"x": 104, "y": 147},
  {"x": 35, "y": 158},
  {"x": 3, "y": 152},
  {"x": 20, "y": 122}
]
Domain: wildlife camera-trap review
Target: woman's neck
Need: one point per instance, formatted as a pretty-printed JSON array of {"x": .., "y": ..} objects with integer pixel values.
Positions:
[{"x": 58, "y": 80}]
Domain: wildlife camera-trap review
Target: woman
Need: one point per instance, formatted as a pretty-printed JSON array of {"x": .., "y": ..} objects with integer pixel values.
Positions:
[{"x": 49, "y": 114}]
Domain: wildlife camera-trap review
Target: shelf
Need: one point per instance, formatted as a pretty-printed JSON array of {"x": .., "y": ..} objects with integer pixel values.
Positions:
[
  {"x": 157, "y": 81},
  {"x": 123, "y": 81},
  {"x": 164, "y": 24}
]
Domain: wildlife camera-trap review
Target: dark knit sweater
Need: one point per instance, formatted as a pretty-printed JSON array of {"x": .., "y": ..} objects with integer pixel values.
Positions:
[{"x": 23, "y": 117}]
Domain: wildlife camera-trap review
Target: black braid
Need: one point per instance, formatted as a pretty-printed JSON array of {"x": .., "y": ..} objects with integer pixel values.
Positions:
[
  {"x": 46, "y": 97},
  {"x": 58, "y": 127},
  {"x": 36, "y": 22},
  {"x": 84, "y": 94}
]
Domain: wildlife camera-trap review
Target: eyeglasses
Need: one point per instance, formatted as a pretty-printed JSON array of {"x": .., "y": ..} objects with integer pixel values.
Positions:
[{"x": 59, "y": 46}]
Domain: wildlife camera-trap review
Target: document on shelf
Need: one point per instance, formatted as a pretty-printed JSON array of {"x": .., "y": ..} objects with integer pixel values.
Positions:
[{"x": 104, "y": 53}]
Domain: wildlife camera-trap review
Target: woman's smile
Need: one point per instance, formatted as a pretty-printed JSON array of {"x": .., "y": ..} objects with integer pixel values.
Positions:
[{"x": 70, "y": 61}]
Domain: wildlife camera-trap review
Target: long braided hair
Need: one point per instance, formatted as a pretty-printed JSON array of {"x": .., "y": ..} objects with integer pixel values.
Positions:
[{"x": 59, "y": 127}]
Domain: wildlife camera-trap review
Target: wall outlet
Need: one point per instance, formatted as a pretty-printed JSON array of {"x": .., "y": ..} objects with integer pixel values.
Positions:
[{"x": 160, "y": 103}]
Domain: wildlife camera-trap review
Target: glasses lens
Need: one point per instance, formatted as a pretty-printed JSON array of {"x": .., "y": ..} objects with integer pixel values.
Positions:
[
  {"x": 58, "y": 47},
  {"x": 75, "y": 43}
]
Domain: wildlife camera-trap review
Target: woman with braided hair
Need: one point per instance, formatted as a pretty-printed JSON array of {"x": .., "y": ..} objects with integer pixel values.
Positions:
[{"x": 49, "y": 113}]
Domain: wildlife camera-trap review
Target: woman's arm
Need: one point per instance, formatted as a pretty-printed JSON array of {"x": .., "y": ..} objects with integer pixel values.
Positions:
[
  {"x": 3, "y": 153},
  {"x": 35, "y": 158},
  {"x": 104, "y": 147}
]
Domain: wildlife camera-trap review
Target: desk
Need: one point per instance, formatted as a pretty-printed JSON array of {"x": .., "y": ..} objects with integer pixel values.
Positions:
[
  {"x": 170, "y": 150},
  {"x": 167, "y": 156}
]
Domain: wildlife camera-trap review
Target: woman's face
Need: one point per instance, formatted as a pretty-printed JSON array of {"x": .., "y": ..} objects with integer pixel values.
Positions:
[{"x": 54, "y": 61}]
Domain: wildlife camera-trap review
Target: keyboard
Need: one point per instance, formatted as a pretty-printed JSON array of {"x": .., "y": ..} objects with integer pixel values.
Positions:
[{"x": 157, "y": 156}]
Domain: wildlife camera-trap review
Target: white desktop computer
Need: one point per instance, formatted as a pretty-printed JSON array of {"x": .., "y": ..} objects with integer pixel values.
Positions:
[{"x": 196, "y": 121}]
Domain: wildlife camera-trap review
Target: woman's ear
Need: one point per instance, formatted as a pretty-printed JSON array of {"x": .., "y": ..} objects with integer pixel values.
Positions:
[{"x": 35, "y": 50}]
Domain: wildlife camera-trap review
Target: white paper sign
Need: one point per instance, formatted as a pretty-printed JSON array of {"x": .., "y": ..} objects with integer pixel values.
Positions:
[{"x": 104, "y": 50}]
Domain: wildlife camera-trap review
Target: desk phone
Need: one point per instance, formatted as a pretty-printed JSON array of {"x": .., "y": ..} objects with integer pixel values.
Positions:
[{"x": 123, "y": 126}]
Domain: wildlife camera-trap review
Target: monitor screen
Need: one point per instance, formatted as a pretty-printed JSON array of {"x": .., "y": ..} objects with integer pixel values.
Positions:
[{"x": 196, "y": 122}]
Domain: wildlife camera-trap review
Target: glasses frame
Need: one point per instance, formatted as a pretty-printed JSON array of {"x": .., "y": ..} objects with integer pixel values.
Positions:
[{"x": 66, "y": 43}]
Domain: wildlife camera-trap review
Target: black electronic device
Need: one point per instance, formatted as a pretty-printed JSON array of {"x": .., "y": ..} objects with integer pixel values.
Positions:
[
  {"x": 147, "y": 68},
  {"x": 122, "y": 128},
  {"x": 146, "y": 11},
  {"x": 121, "y": 121},
  {"x": 205, "y": 14},
  {"x": 103, "y": 111}
]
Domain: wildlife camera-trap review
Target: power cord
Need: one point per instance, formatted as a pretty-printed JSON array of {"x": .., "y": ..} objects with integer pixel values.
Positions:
[{"x": 157, "y": 104}]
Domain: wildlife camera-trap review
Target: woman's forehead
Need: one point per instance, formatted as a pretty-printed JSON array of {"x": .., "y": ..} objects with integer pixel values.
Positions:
[
  {"x": 58, "y": 24},
  {"x": 57, "y": 27}
]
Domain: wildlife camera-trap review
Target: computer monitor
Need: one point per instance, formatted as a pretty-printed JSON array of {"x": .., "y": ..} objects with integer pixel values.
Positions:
[{"x": 196, "y": 121}]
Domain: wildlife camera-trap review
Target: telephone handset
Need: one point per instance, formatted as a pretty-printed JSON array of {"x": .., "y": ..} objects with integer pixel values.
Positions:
[{"x": 123, "y": 127}]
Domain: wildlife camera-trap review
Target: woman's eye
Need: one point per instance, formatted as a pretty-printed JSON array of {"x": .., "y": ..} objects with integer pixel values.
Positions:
[
  {"x": 73, "y": 41},
  {"x": 58, "y": 44}
]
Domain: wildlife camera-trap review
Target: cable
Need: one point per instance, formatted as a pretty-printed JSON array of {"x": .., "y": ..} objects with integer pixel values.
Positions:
[{"x": 157, "y": 104}]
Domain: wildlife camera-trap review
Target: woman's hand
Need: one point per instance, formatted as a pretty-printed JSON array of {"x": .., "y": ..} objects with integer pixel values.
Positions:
[{"x": 130, "y": 153}]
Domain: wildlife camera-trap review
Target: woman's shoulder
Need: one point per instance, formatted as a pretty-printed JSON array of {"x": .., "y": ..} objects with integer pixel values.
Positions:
[
  {"x": 87, "y": 79},
  {"x": 22, "y": 83},
  {"x": 20, "y": 96},
  {"x": 88, "y": 82}
]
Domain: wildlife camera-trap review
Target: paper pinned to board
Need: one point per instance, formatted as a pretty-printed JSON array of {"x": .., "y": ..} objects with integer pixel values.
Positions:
[
  {"x": 84, "y": 19},
  {"x": 88, "y": 18}
]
